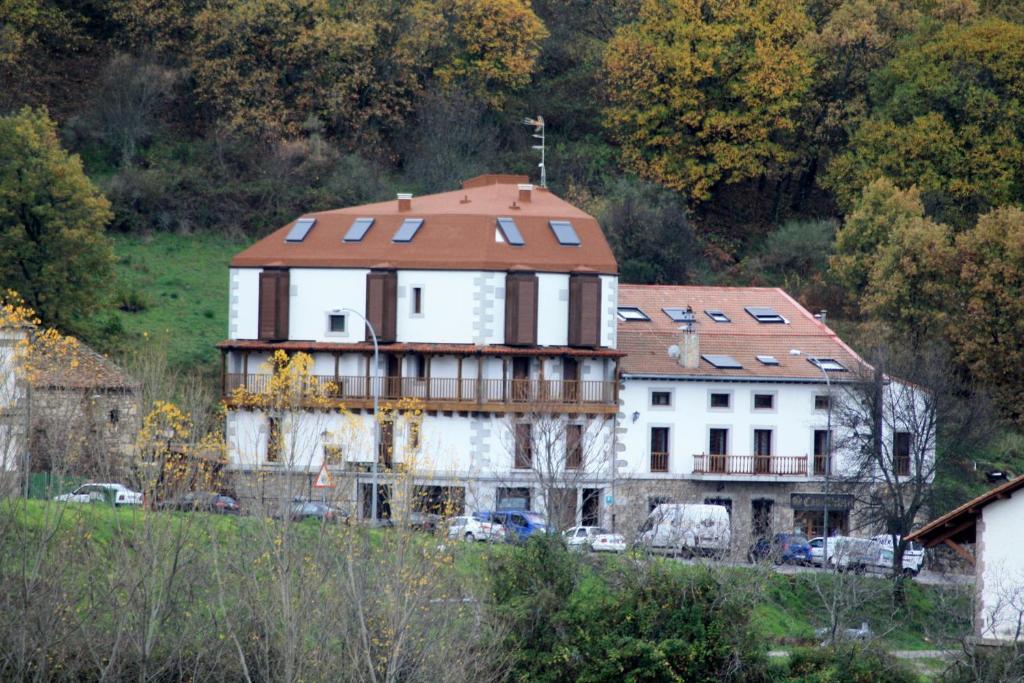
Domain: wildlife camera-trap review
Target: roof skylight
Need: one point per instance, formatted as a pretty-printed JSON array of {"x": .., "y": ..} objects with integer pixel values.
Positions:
[
  {"x": 765, "y": 314},
  {"x": 722, "y": 361},
  {"x": 407, "y": 230},
  {"x": 632, "y": 313},
  {"x": 564, "y": 233},
  {"x": 768, "y": 360},
  {"x": 679, "y": 315},
  {"x": 300, "y": 229},
  {"x": 827, "y": 364},
  {"x": 511, "y": 232},
  {"x": 357, "y": 231},
  {"x": 717, "y": 316}
]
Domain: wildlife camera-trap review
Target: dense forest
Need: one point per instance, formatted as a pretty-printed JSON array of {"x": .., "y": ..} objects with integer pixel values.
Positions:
[{"x": 867, "y": 155}]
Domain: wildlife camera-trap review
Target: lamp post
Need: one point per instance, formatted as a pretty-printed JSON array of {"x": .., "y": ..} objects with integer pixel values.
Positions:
[
  {"x": 376, "y": 399},
  {"x": 828, "y": 450}
]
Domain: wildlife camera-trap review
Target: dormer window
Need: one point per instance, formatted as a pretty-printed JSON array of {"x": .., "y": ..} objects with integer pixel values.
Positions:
[{"x": 765, "y": 315}]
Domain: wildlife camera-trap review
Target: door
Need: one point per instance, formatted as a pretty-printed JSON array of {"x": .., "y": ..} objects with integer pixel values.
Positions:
[
  {"x": 570, "y": 379},
  {"x": 393, "y": 373},
  {"x": 762, "y": 451},
  {"x": 718, "y": 447},
  {"x": 591, "y": 513},
  {"x": 761, "y": 517},
  {"x": 520, "y": 379}
]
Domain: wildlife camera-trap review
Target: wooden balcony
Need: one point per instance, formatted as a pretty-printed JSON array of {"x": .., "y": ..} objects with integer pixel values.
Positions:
[
  {"x": 751, "y": 465},
  {"x": 659, "y": 462},
  {"x": 454, "y": 394}
]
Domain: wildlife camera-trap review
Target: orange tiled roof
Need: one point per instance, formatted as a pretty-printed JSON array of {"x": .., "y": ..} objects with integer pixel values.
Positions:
[
  {"x": 646, "y": 343},
  {"x": 90, "y": 371},
  {"x": 458, "y": 232}
]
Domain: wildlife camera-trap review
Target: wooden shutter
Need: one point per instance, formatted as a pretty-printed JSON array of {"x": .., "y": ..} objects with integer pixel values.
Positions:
[
  {"x": 382, "y": 303},
  {"x": 521, "y": 291},
  {"x": 584, "y": 310},
  {"x": 273, "y": 307}
]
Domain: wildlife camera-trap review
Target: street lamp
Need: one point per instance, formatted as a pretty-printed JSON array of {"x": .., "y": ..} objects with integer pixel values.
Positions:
[
  {"x": 376, "y": 398},
  {"x": 816, "y": 361}
]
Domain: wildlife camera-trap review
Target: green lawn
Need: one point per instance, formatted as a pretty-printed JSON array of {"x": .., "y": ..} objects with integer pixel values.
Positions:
[{"x": 173, "y": 290}]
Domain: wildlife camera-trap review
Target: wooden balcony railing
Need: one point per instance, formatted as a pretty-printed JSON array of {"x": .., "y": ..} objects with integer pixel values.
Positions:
[
  {"x": 659, "y": 462},
  {"x": 774, "y": 465},
  {"x": 529, "y": 392}
]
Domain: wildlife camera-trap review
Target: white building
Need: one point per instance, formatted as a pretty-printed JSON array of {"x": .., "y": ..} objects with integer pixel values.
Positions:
[
  {"x": 725, "y": 400},
  {"x": 491, "y": 304},
  {"x": 991, "y": 523}
]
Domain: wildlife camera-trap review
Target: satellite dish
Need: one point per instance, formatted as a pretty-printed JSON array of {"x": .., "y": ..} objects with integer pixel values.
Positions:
[{"x": 673, "y": 351}]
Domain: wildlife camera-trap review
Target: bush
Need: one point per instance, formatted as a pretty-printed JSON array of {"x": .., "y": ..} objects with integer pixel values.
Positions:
[{"x": 850, "y": 663}]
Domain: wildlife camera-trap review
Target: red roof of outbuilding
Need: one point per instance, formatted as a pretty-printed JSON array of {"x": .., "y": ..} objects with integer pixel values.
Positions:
[
  {"x": 646, "y": 343},
  {"x": 458, "y": 233}
]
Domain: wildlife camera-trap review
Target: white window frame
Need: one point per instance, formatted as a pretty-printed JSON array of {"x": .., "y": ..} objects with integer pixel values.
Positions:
[
  {"x": 327, "y": 324},
  {"x": 671, "y": 398},
  {"x": 718, "y": 409},
  {"x": 753, "y": 401}
]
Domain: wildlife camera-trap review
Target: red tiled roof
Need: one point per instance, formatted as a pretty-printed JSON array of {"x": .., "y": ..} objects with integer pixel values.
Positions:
[
  {"x": 90, "y": 371},
  {"x": 458, "y": 232},
  {"x": 646, "y": 343},
  {"x": 436, "y": 349}
]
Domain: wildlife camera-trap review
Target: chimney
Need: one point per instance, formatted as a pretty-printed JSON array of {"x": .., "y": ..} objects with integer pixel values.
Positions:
[
  {"x": 689, "y": 341},
  {"x": 525, "y": 191},
  {"x": 405, "y": 201}
]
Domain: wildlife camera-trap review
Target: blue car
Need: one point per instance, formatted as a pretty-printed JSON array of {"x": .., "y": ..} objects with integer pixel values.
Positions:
[
  {"x": 781, "y": 548},
  {"x": 519, "y": 524}
]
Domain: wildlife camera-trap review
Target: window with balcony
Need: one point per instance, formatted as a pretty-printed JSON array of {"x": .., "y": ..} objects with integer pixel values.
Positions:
[
  {"x": 718, "y": 448},
  {"x": 901, "y": 453},
  {"x": 762, "y": 451},
  {"x": 659, "y": 449},
  {"x": 821, "y": 452}
]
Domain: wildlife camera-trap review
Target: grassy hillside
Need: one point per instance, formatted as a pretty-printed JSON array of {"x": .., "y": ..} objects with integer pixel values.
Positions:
[{"x": 174, "y": 288}]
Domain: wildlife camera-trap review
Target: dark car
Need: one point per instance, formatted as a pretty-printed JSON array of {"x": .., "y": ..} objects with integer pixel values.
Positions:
[
  {"x": 302, "y": 510},
  {"x": 781, "y": 548},
  {"x": 203, "y": 501},
  {"x": 424, "y": 521}
]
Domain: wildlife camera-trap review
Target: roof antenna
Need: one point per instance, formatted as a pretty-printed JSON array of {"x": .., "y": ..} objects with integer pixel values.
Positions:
[{"x": 538, "y": 132}]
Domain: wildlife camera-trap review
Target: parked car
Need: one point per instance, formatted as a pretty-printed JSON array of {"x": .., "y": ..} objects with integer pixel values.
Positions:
[
  {"x": 818, "y": 550},
  {"x": 913, "y": 554},
  {"x": 780, "y": 549},
  {"x": 424, "y": 521},
  {"x": 302, "y": 510},
  {"x": 115, "y": 494},
  {"x": 475, "y": 528},
  {"x": 858, "y": 555},
  {"x": 519, "y": 524},
  {"x": 687, "y": 528},
  {"x": 203, "y": 501},
  {"x": 594, "y": 538}
]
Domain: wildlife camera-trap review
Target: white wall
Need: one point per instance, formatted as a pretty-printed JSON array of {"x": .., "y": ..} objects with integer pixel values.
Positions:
[
  {"x": 315, "y": 292},
  {"x": 1001, "y": 569},
  {"x": 447, "y": 306},
  {"x": 552, "y": 309},
  {"x": 244, "y": 303},
  {"x": 690, "y": 417}
]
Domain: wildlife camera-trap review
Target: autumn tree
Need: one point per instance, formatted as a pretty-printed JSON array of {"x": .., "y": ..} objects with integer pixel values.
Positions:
[
  {"x": 988, "y": 327},
  {"x": 53, "y": 250},
  {"x": 703, "y": 92},
  {"x": 947, "y": 119}
]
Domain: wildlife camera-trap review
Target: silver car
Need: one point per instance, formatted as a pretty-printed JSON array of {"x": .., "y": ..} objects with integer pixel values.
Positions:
[{"x": 472, "y": 528}]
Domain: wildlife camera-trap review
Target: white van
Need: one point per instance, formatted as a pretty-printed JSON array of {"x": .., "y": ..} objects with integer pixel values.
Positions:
[
  {"x": 687, "y": 528},
  {"x": 847, "y": 553},
  {"x": 913, "y": 554}
]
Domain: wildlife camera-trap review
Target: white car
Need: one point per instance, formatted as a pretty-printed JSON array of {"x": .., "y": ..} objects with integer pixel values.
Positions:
[
  {"x": 118, "y": 494},
  {"x": 594, "y": 538},
  {"x": 913, "y": 554},
  {"x": 472, "y": 528},
  {"x": 818, "y": 550}
]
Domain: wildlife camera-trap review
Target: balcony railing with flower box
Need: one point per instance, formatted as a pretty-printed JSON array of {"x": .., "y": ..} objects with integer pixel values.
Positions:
[
  {"x": 451, "y": 393},
  {"x": 751, "y": 465}
]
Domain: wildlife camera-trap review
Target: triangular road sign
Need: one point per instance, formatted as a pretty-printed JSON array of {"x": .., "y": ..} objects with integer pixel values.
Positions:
[{"x": 324, "y": 480}]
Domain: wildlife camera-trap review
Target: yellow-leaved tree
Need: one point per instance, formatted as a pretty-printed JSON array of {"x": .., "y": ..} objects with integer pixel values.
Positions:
[{"x": 705, "y": 91}]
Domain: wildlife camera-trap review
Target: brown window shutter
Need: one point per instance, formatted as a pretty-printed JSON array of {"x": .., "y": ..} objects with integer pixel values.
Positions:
[
  {"x": 584, "y": 310},
  {"x": 283, "y": 295},
  {"x": 382, "y": 304},
  {"x": 273, "y": 307},
  {"x": 521, "y": 291}
]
